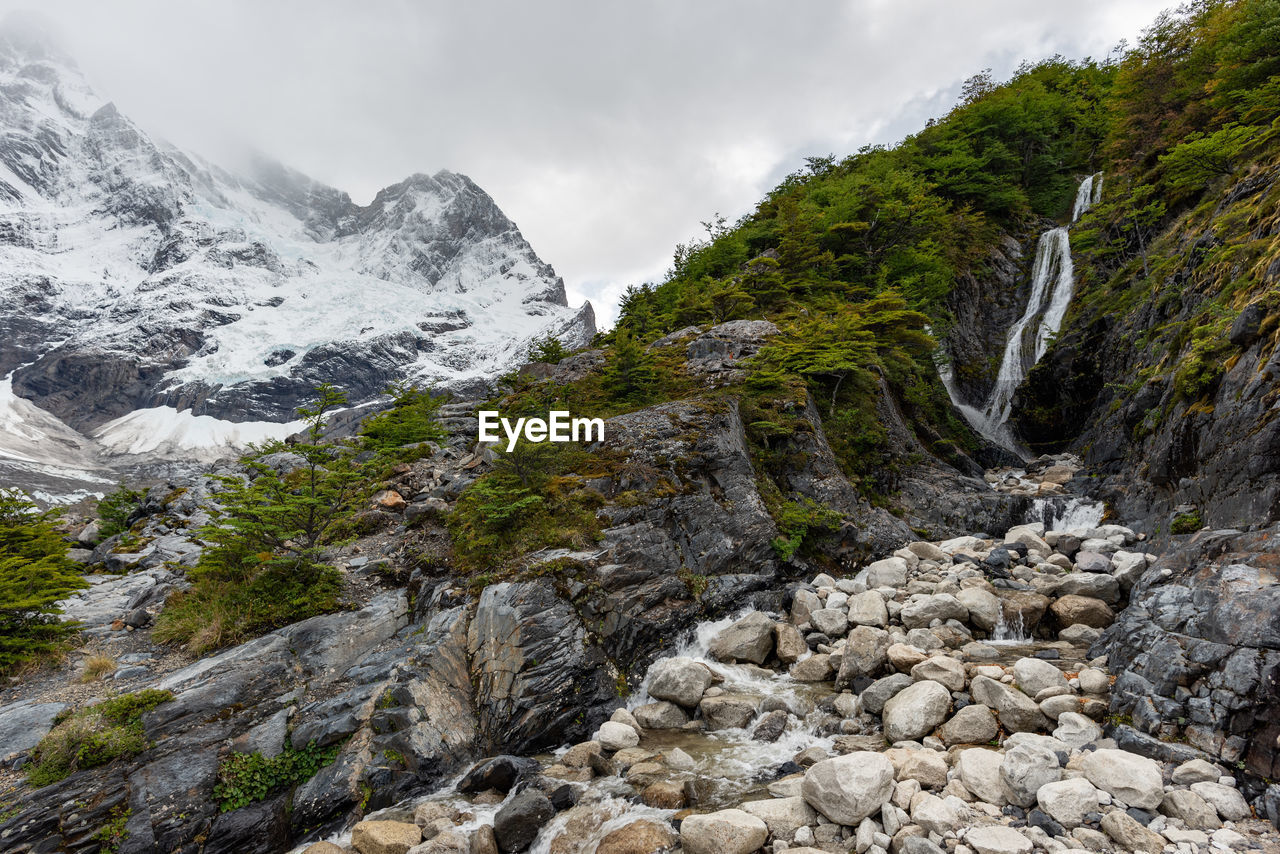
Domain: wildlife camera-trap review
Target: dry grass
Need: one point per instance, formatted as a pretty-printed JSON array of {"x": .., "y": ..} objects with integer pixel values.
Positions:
[{"x": 97, "y": 667}]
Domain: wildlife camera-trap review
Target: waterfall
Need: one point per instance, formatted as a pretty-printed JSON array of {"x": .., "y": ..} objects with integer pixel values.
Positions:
[{"x": 1052, "y": 286}]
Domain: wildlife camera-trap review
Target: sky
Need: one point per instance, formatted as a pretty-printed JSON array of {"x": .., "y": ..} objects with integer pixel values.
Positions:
[{"x": 607, "y": 130}]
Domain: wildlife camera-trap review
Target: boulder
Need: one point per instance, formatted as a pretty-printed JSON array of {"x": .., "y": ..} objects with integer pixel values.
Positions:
[
  {"x": 385, "y": 837},
  {"x": 868, "y": 609},
  {"x": 789, "y": 643},
  {"x": 979, "y": 770},
  {"x": 942, "y": 669},
  {"x": 723, "y": 832},
  {"x": 1094, "y": 681},
  {"x": 803, "y": 603},
  {"x": 1194, "y": 811},
  {"x": 849, "y": 788},
  {"x": 916, "y": 711},
  {"x": 1196, "y": 771},
  {"x": 865, "y": 654},
  {"x": 974, "y": 724},
  {"x": 926, "y": 767},
  {"x": 1092, "y": 562},
  {"x": 920, "y": 612},
  {"x": 1086, "y": 584},
  {"x": 643, "y": 836},
  {"x": 997, "y": 840},
  {"x": 1072, "y": 609},
  {"x": 1227, "y": 800},
  {"x": 890, "y": 572},
  {"x": 983, "y": 607},
  {"x": 748, "y": 639},
  {"x": 939, "y": 815},
  {"x": 729, "y": 711},
  {"x": 661, "y": 715},
  {"x": 815, "y": 668},
  {"x": 832, "y": 622},
  {"x": 928, "y": 551},
  {"x": 1130, "y": 835},
  {"x": 681, "y": 680},
  {"x": 1075, "y": 730},
  {"x": 1025, "y": 768},
  {"x": 783, "y": 816},
  {"x": 1131, "y": 778},
  {"x": 499, "y": 773},
  {"x": 1017, "y": 711},
  {"x": 617, "y": 736},
  {"x": 1023, "y": 607},
  {"x": 878, "y": 692},
  {"x": 1033, "y": 675},
  {"x": 904, "y": 656},
  {"x": 1068, "y": 801},
  {"x": 517, "y": 823}
]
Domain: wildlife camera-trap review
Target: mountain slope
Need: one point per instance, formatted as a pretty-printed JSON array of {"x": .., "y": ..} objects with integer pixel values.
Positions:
[{"x": 143, "y": 289}]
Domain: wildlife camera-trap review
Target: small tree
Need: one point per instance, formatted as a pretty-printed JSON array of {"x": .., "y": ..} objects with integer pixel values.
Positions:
[
  {"x": 410, "y": 420},
  {"x": 34, "y": 574},
  {"x": 547, "y": 350},
  {"x": 629, "y": 374}
]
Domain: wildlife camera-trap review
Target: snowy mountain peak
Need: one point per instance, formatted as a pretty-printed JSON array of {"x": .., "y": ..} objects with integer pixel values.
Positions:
[{"x": 143, "y": 288}]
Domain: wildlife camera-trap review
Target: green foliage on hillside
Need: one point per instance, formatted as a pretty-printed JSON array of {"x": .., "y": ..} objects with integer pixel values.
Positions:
[
  {"x": 245, "y": 778},
  {"x": 262, "y": 565},
  {"x": 34, "y": 574},
  {"x": 410, "y": 419},
  {"x": 93, "y": 736}
]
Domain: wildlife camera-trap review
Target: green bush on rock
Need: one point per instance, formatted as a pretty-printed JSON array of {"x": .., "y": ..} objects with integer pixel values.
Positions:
[{"x": 93, "y": 736}]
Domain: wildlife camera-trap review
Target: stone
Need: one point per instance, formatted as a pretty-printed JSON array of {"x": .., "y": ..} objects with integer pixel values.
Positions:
[
  {"x": 389, "y": 499},
  {"x": 1092, "y": 562},
  {"x": 929, "y": 551},
  {"x": 661, "y": 715},
  {"x": 431, "y": 811},
  {"x": 926, "y": 767},
  {"x": 832, "y": 622},
  {"x": 868, "y": 609},
  {"x": 1096, "y": 586},
  {"x": 724, "y": 832},
  {"x": 939, "y": 815},
  {"x": 643, "y": 836},
  {"x": 1093, "y": 681},
  {"x": 920, "y": 612},
  {"x": 1024, "y": 769},
  {"x": 1073, "y": 609},
  {"x": 983, "y": 607},
  {"x": 1017, "y": 711},
  {"x": 680, "y": 680},
  {"x": 875, "y": 695},
  {"x": 1225, "y": 839},
  {"x": 1226, "y": 800},
  {"x": 1079, "y": 634},
  {"x": 749, "y": 639},
  {"x": 942, "y": 669},
  {"x": 849, "y": 788},
  {"x": 324, "y": 848},
  {"x": 783, "y": 816},
  {"x": 24, "y": 723},
  {"x": 664, "y": 795},
  {"x": 803, "y": 603},
  {"x": 579, "y": 756},
  {"x": 448, "y": 842},
  {"x": 729, "y": 711},
  {"x": 771, "y": 726},
  {"x": 979, "y": 771},
  {"x": 517, "y": 823},
  {"x": 1068, "y": 801},
  {"x": 1034, "y": 675},
  {"x": 616, "y": 736},
  {"x": 915, "y": 711},
  {"x": 788, "y": 643},
  {"x": 974, "y": 724},
  {"x": 904, "y": 656},
  {"x": 1075, "y": 730},
  {"x": 500, "y": 773},
  {"x": 997, "y": 840},
  {"x": 385, "y": 837},
  {"x": 865, "y": 654},
  {"x": 1055, "y": 707},
  {"x": 1133, "y": 779},
  {"x": 1129, "y": 834},
  {"x": 1195, "y": 771},
  {"x": 1194, "y": 811},
  {"x": 890, "y": 572},
  {"x": 815, "y": 668}
]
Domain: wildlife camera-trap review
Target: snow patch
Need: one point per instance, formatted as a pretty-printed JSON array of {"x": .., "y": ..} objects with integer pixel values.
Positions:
[{"x": 166, "y": 432}]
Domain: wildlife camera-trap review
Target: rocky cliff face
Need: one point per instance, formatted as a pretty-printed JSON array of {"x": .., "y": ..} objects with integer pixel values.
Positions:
[{"x": 149, "y": 298}]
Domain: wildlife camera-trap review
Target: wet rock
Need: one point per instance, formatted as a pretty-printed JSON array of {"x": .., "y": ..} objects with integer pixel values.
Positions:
[
  {"x": 517, "y": 824},
  {"x": 681, "y": 680},
  {"x": 789, "y": 643},
  {"x": 500, "y": 773},
  {"x": 974, "y": 724},
  {"x": 664, "y": 795},
  {"x": 616, "y": 736},
  {"x": 1017, "y": 711},
  {"x": 725, "y": 832},
  {"x": 748, "y": 639},
  {"x": 849, "y": 788},
  {"x": 661, "y": 715},
  {"x": 643, "y": 836},
  {"x": 771, "y": 726},
  {"x": 729, "y": 711},
  {"x": 1068, "y": 801},
  {"x": 915, "y": 711},
  {"x": 385, "y": 837},
  {"x": 1133, "y": 779},
  {"x": 1072, "y": 609}
]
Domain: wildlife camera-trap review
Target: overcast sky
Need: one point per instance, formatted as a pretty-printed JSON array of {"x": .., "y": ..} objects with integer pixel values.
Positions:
[{"x": 606, "y": 130}]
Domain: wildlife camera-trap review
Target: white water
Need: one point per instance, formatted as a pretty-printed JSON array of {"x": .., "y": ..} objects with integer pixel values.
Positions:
[
  {"x": 1066, "y": 514},
  {"x": 1010, "y": 633},
  {"x": 1052, "y": 286}
]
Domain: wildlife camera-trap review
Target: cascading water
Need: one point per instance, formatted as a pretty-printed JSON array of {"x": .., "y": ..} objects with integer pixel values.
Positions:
[{"x": 1052, "y": 286}]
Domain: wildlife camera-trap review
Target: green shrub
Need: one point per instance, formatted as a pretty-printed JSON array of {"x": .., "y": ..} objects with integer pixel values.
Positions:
[
  {"x": 798, "y": 519},
  {"x": 1186, "y": 523},
  {"x": 261, "y": 567},
  {"x": 34, "y": 574},
  {"x": 547, "y": 350},
  {"x": 115, "y": 508},
  {"x": 410, "y": 420},
  {"x": 93, "y": 736},
  {"x": 245, "y": 778}
]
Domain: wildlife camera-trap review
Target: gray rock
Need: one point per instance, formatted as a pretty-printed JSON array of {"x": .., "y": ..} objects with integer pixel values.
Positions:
[
  {"x": 24, "y": 723},
  {"x": 1194, "y": 811},
  {"x": 1092, "y": 562},
  {"x": 878, "y": 692},
  {"x": 890, "y": 572},
  {"x": 919, "y": 613},
  {"x": 974, "y": 724},
  {"x": 1075, "y": 730},
  {"x": 849, "y": 788},
  {"x": 517, "y": 823},
  {"x": 832, "y": 622},
  {"x": 1133, "y": 779},
  {"x": 1130, "y": 835},
  {"x": 729, "y": 831},
  {"x": 661, "y": 715},
  {"x": 997, "y": 840},
  {"x": 979, "y": 770},
  {"x": 1068, "y": 801},
  {"x": 729, "y": 711},
  {"x": 915, "y": 711},
  {"x": 865, "y": 654},
  {"x": 983, "y": 607},
  {"x": 1227, "y": 800},
  {"x": 942, "y": 669},
  {"x": 1024, "y": 769},
  {"x": 1017, "y": 711},
  {"x": 748, "y": 639},
  {"x": 681, "y": 680},
  {"x": 1034, "y": 675},
  {"x": 868, "y": 609}
]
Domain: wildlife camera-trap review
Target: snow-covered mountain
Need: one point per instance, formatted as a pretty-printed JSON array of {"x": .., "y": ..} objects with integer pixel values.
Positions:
[{"x": 154, "y": 304}]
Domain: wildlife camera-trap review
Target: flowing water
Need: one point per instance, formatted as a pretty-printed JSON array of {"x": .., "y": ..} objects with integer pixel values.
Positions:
[{"x": 1052, "y": 286}]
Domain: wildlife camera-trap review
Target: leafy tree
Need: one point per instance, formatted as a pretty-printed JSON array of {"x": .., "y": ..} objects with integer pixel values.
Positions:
[
  {"x": 629, "y": 373},
  {"x": 547, "y": 350},
  {"x": 410, "y": 420},
  {"x": 34, "y": 574},
  {"x": 262, "y": 566}
]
